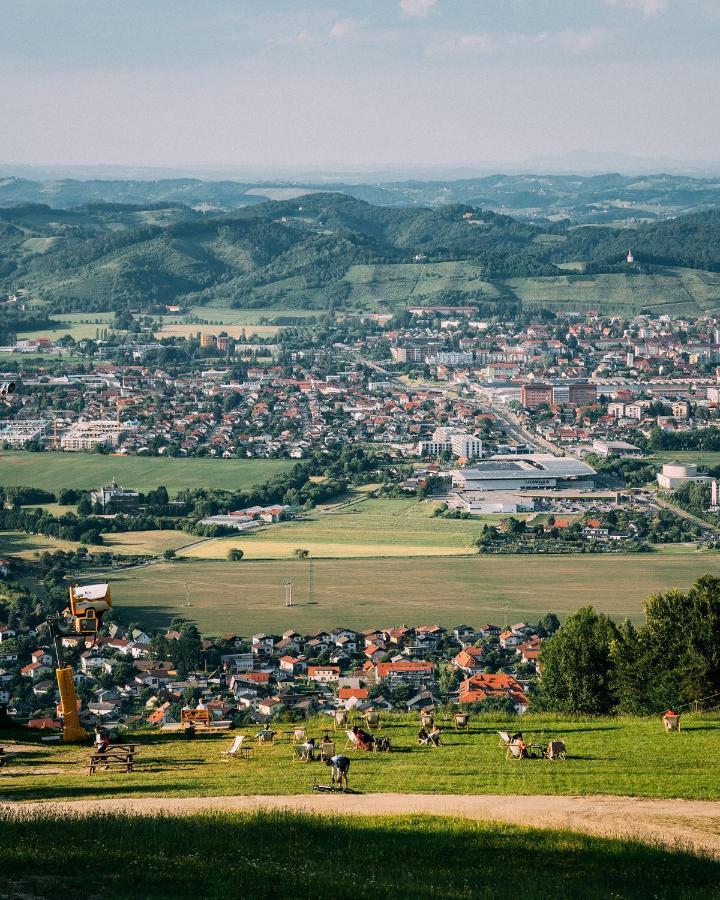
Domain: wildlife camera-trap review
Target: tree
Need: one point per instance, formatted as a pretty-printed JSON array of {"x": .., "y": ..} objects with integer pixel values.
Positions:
[
  {"x": 548, "y": 625},
  {"x": 577, "y": 665},
  {"x": 300, "y": 553},
  {"x": 235, "y": 554},
  {"x": 186, "y": 651},
  {"x": 169, "y": 553}
]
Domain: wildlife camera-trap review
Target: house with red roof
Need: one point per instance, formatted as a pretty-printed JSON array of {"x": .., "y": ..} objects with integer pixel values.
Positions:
[
  {"x": 479, "y": 687},
  {"x": 469, "y": 660}
]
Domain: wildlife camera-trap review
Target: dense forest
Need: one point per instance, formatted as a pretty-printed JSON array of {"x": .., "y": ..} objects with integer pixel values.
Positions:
[{"x": 299, "y": 253}]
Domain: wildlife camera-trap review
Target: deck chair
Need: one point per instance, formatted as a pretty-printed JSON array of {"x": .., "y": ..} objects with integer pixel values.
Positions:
[
  {"x": 555, "y": 750},
  {"x": 515, "y": 751},
  {"x": 427, "y": 720},
  {"x": 299, "y": 753},
  {"x": 372, "y": 717},
  {"x": 237, "y": 750},
  {"x": 462, "y": 721},
  {"x": 299, "y": 735},
  {"x": 340, "y": 719},
  {"x": 327, "y": 750},
  {"x": 505, "y": 738},
  {"x": 266, "y": 738},
  {"x": 352, "y": 742}
]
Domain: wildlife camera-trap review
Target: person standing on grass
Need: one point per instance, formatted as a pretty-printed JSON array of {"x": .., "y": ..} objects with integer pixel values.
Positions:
[{"x": 340, "y": 766}]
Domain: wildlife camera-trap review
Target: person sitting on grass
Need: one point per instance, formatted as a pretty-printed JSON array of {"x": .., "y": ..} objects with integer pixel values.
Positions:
[
  {"x": 365, "y": 740},
  {"x": 339, "y": 766}
]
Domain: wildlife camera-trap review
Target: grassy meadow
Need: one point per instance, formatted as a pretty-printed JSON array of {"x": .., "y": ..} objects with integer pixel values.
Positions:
[
  {"x": 269, "y": 855},
  {"x": 248, "y": 596},
  {"x": 623, "y": 756},
  {"x": 53, "y": 471},
  {"x": 401, "y": 528}
]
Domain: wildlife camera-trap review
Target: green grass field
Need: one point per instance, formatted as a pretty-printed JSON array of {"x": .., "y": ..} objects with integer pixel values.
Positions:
[
  {"x": 704, "y": 458},
  {"x": 249, "y": 596},
  {"x": 622, "y": 756},
  {"x": 54, "y": 471},
  {"x": 673, "y": 290},
  {"x": 284, "y": 854},
  {"x": 366, "y": 529}
]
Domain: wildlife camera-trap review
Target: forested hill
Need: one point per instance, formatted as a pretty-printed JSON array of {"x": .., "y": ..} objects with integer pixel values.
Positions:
[{"x": 299, "y": 252}]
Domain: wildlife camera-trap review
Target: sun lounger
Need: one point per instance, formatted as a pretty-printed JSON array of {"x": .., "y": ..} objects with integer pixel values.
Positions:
[
  {"x": 505, "y": 738},
  {"x": 352, "y": 742},
  {"x": 237, "y": 750},
  {"x": 515, "y": 751},
  {"x": 555, "y": 750}
]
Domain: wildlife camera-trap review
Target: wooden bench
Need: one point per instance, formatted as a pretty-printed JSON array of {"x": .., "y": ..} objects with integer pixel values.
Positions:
[
  {"x": 195, "y": 716},
  {"x": 121, "y": 756}
]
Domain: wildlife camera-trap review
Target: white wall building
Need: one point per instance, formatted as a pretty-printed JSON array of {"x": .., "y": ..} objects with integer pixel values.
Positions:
[{"x": 675, "y": 475}]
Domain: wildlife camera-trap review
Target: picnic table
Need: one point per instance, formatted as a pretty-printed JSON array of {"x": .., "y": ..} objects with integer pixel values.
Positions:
[{"x": 121, "y": 756}]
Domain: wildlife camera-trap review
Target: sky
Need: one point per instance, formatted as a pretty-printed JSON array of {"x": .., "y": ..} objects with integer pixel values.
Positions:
[{"x": 356, "y": 84}]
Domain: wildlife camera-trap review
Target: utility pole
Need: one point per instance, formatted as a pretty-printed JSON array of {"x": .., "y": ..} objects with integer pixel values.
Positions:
[
  {"x": 310, "y": 581},
  {"x": 288, "y": 593},
  {"x": 188, "y": 585}
]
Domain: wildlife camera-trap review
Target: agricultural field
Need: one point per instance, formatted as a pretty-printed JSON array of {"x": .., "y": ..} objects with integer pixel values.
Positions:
[
  {"x": 602, "y": 758},
  {"x": 145, "y": 543},
  {"x": 676, "y": 291},
  {"x": 393, "y": 286},
  {"x": 54, "y": 471},
  {"x": 249, "y": 596},
  {"x": 27, "y": 546},
  {"x": 704, "y": 458},
  {"x": 223, "y": 315},
  {"x": 368, "y": 528},
  {"x": 285, "y": 854},
  {"x": 183, "y": 330}
]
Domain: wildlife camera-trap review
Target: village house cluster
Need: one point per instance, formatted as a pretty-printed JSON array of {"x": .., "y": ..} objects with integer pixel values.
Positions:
[{"x": 123, "y": 681}]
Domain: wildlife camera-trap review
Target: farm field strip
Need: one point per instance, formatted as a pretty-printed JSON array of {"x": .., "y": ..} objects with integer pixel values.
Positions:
[
  {"x": 248, "y": 596},
  {"x": 53, "y": 471}
]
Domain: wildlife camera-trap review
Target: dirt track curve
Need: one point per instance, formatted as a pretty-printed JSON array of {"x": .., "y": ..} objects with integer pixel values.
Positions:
[{"x": 692, "y": 824}]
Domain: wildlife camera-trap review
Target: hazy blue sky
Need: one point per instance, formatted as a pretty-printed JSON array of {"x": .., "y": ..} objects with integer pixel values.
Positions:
[{"x": 356, "y": 82}]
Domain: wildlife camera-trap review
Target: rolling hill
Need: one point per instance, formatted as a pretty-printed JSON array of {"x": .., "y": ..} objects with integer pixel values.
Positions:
[{"x": 331, "y": 250}]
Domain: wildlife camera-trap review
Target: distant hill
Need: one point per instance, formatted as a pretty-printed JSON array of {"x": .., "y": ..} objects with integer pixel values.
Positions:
[
  {"x": 582, "y": 198},
  {"x": 330, "y": 249}
]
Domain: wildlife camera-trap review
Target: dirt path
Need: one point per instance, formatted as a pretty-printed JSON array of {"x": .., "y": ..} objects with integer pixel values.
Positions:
[{"x": 694, "y": 824}]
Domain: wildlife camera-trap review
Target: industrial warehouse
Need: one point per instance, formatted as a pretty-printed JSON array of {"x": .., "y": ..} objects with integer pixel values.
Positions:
[{"x": 540, "y": 471}]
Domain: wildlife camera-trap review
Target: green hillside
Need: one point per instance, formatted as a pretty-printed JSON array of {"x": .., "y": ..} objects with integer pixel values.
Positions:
[{"x": 331, "y": 250}]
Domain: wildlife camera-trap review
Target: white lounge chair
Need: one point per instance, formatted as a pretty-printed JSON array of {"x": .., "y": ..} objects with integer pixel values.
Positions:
[
  {"x": 237, "y": 750},
  {"x": 352, "y": 742}
]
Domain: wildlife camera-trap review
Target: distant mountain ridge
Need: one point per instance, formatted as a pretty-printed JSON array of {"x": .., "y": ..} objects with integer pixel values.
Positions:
[{"x": 584, "y": 198}]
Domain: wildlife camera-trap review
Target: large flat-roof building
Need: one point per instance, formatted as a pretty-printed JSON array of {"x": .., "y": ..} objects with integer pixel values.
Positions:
[{"x": 538, "y": 471}]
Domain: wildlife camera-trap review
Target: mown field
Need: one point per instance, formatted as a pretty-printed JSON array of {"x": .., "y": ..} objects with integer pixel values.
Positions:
[
  {"x": 625, "y": 756},
  {"x": 54, "y": 471},
  {"x": 704, "y": 458},
  {"x": 249, "y": 596},
  {"x": 673, "y": 290},
  {"x": 365, "y": 529},
  {"x": 128, "y": 543},
  {"x": 284, "y": 854}
]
